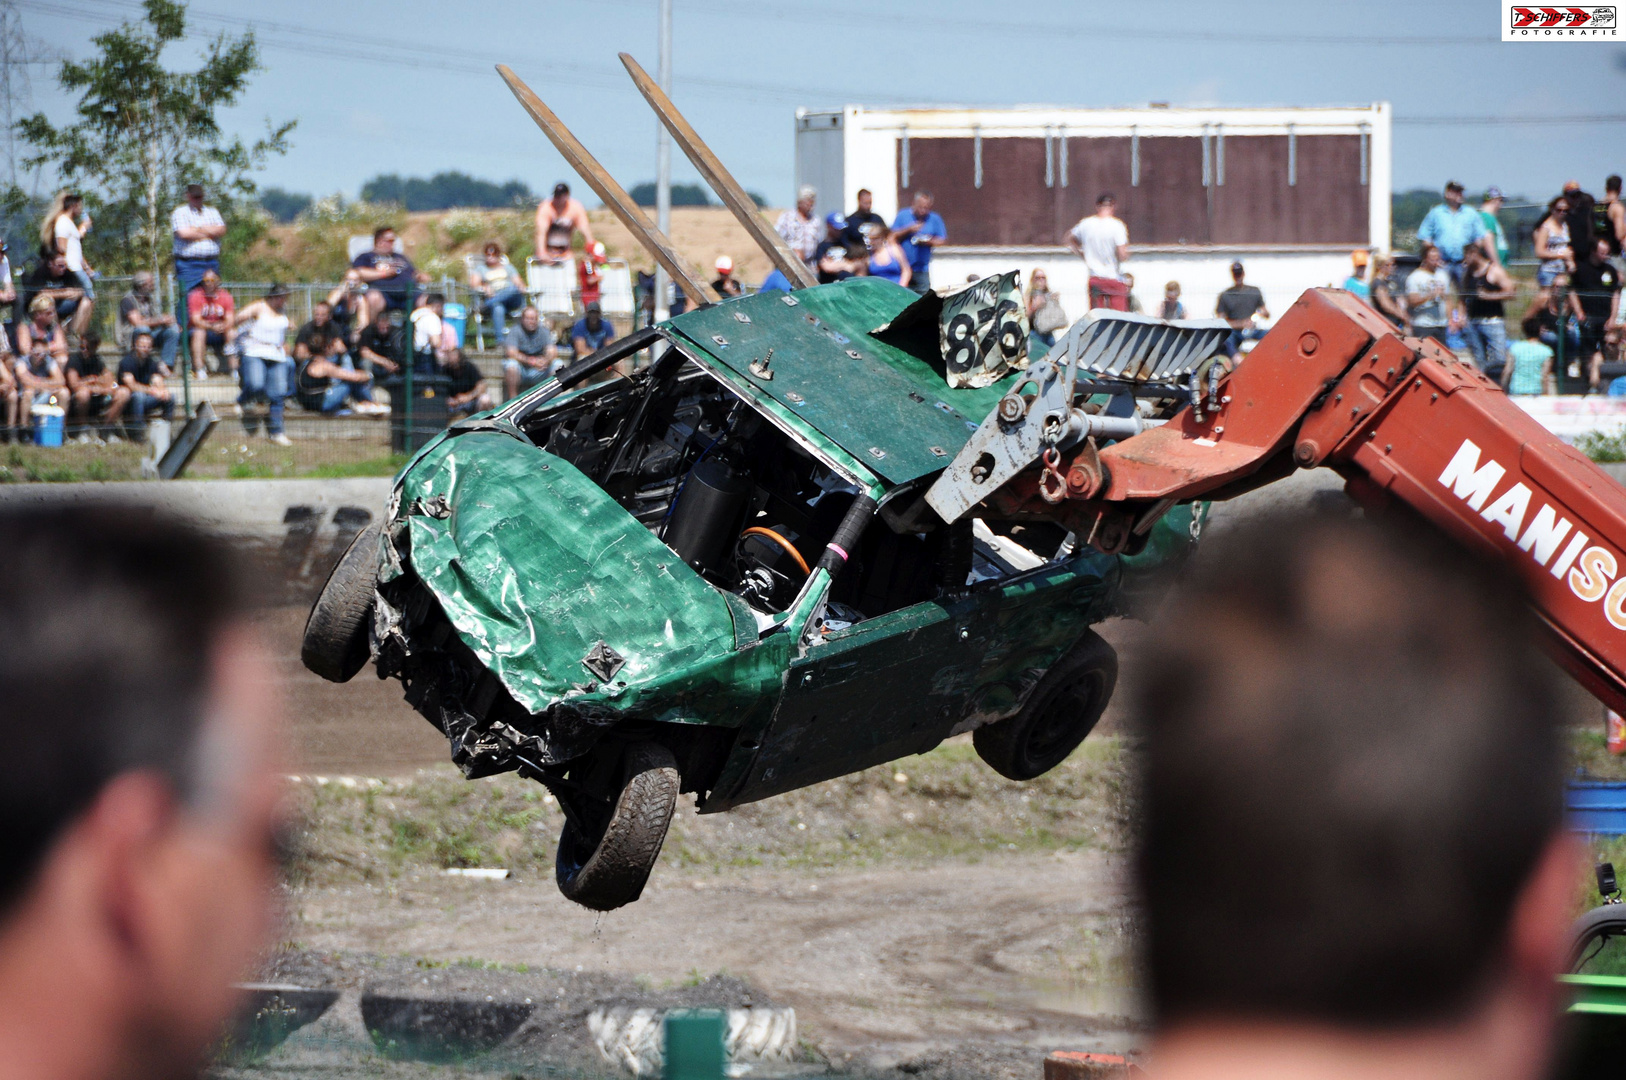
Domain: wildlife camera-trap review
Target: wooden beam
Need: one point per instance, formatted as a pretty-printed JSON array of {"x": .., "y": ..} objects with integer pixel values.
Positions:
[
  {"x": 614, "y": 196},
  {"x": 722, "y": 182}
]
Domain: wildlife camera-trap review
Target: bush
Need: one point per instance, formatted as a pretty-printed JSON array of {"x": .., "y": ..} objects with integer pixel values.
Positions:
[{"x": 1603, "y": 446}]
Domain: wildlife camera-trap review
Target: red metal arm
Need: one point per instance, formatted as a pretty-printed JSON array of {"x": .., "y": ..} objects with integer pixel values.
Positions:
[{"x": 1400, "y": 419}]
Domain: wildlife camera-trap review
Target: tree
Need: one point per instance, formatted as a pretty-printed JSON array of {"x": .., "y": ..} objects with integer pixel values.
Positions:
[
  {"x": 446, "y": 191},
  {"x": 682, "y": 194},
  {"x": 143, "y": 132},
  {"x": 284, "y": 205}
]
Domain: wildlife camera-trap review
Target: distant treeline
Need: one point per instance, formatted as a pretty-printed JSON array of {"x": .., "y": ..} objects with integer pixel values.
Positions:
[{"x": 453, "y": 190}]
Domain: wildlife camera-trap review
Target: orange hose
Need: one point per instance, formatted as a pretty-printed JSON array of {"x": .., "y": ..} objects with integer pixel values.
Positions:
[{"x": 790, "y": 548}]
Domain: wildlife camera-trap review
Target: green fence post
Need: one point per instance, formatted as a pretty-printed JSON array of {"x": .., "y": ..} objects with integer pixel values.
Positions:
[{"x": 407, "y": 445}]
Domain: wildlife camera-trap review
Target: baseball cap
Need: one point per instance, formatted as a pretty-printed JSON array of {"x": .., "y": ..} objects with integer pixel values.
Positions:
[
  {"x": 724, "y": 264},
  {"x": 598, "y": 249},
  {"x": 1493, "y": 192},
  {"x": 561, "y": 188},
  {"x": 1236, "y": 266},
  {"x": 593, "y": 308},
  {"x": 1358, "y": 256},
  {"x": 836, "y": 220}
]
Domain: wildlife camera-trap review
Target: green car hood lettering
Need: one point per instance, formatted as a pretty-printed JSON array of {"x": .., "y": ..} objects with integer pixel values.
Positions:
[{"x": 534, "y": 564}]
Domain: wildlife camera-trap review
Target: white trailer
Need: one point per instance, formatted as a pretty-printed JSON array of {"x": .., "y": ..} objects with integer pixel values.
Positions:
[{"x": 1289, "y": 192}]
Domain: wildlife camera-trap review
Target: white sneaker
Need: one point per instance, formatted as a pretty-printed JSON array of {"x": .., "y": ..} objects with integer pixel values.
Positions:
[{"x": 280, "y": 439}]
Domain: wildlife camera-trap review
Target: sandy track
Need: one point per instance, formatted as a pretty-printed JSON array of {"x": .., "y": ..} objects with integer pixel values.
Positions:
[{"x": 881, "y": 965}]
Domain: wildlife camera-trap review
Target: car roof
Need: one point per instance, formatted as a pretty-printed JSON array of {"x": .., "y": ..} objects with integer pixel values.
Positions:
[{"x": 887, "y": 407}]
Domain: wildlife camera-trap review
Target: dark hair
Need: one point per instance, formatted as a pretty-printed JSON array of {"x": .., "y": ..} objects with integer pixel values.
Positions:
[
  {"x": 434, "y": 298},
  {"x": 136, "y": 596},
  {"x": 1552, "y": 207},
  {"x": 1105, "y": 197},
  {"x": 864, "y": 191},
  {"x": 1531, "y": 327},
  {"x": 1452, "y": 185},
  {"x": 381, "y": 230},
  {"x": 561, "y": 188},
  {"x": 1354, "y": 763},
  {"x": 1612, "y": 183}
]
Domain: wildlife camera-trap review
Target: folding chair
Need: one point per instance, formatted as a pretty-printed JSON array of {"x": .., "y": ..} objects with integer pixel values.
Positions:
[
  {"x": 616, "y": 298},
  {"x": 550, "y": 286},
  {"x": 476, "y": 303}
]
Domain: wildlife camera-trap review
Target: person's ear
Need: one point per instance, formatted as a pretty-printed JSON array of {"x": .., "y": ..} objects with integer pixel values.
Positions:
[
  {"x": 1538, "y": 929},
  {"x": 124, "y": 830}
]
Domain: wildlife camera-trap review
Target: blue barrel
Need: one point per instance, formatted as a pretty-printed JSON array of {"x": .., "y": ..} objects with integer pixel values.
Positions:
[
  {"x": 1597, "y": 807},
  {"x": 457, "y": 317}
]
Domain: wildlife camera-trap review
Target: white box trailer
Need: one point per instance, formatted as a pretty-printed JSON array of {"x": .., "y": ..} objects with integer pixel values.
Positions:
[{"x": 1289, "y": 192}]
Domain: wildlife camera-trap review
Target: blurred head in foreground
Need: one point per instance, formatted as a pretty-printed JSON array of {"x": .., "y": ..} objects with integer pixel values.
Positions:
[
  {"x": 1352, "y": 860},
  {"x": 137, "y": 797}
]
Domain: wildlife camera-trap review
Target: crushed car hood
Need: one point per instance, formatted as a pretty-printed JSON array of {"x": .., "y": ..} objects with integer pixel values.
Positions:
[{"x": 535, "y": 565}]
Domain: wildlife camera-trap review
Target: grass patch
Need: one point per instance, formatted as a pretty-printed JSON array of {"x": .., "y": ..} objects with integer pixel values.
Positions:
[
  {"x": 1602, "y": 446},
  {"x": 945, "y": 804}
]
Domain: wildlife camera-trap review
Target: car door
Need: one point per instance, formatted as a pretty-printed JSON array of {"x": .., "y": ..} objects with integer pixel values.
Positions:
[{"x": 881, "y": 689}]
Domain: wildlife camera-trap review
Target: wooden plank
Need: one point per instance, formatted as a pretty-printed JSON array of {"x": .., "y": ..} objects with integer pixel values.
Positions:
[
  {"x": 614, "y": 196},
  {"x": 721, "y": 180}
]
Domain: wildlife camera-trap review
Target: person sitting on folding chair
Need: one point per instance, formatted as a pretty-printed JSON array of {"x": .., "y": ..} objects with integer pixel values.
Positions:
[{"x": 498, "y": 284}]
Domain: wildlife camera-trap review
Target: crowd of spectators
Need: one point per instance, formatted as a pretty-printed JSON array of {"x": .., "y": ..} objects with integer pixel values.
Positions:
[
  {"x": 1459, "y": 292},
  {"x": 359, "y": 336},
  {"x": 861, "y": 244}
]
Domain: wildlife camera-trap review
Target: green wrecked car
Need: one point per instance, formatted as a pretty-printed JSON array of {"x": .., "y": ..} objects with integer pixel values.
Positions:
[{"x": 718, "y": 575}]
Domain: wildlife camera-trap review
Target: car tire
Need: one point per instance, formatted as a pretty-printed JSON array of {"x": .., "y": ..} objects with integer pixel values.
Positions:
[
  {"x": 1600, "y": 923},
  {"x": 604, "y": 866},
  {"x": 1062, "y": 709},
  {"x": 335, "y": 644}
]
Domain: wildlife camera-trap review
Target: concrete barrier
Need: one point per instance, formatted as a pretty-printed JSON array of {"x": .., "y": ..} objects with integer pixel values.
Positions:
[{"x": 290, "y": 532}]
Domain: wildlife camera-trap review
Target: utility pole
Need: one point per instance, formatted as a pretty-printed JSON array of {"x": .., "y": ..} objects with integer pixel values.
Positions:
[
  {"x": 18, "y": 51},
  {"x": 663, "y": 156}
]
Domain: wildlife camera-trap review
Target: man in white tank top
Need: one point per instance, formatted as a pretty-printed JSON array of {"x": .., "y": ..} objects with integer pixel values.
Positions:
[{"x": 266, "y": 372}]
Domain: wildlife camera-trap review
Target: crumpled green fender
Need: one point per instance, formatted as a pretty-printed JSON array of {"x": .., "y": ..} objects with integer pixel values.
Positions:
[{"x": 533, "y": 564}]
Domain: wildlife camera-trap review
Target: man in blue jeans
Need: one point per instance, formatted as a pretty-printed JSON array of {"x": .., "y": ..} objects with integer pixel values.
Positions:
[
  {"x": 142, "y": 375},
  {"x": 198, "y": 229}
]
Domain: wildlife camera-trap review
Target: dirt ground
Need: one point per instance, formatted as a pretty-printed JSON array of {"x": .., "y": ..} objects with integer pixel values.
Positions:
[{"x": 908, "y": 953}]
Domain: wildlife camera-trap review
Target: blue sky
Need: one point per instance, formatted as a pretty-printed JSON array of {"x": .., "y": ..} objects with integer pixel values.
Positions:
[{"x": 407, "y": 86}]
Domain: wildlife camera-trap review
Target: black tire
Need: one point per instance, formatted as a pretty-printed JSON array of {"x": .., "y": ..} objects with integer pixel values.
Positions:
[
  {"x": 1592, "y": 928},
  {"x": 603, "y": 864},
  {"x": 1062, "y": 709},
  {"x": 335, "y": 644}
]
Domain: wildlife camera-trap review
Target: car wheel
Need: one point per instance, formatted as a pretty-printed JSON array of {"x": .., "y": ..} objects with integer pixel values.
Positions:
[
  {"x": 1062, "y": 709},
  {"x": 335, "y": 643},
  {"x": 1594, "y": 928},
  {"x": 603, "y": 863}
]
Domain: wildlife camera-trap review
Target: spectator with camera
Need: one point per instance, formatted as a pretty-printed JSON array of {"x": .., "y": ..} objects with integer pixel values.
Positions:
[{"x": 920, "y": 230}]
